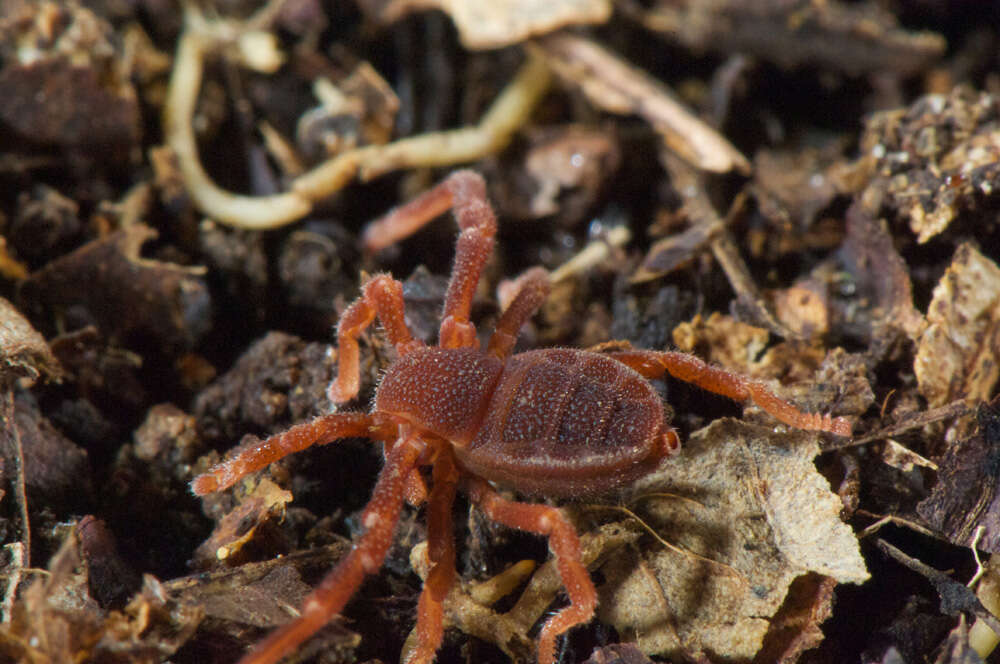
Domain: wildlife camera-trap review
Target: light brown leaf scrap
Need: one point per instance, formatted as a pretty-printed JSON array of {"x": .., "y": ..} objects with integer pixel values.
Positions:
[
  {"x": 957, "y": 354},
  {"x": 752, "y": 502}
]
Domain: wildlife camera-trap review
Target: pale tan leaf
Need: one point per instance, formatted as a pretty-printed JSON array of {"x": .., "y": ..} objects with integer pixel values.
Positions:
[{"x": 752, "y": 501}]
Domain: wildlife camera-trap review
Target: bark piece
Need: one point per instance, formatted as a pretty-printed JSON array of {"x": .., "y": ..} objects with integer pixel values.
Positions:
[
  {"x": 965, "y": 497},
  {"x": 852, "y": 38},
  {"x": 108, "y": 283}
]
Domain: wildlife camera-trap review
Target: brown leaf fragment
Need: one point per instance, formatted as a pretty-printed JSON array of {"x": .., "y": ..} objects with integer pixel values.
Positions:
[
  {"x": 108, "y": 283},
  {"x": 238, "y": 602},
  {"x": 56, "y": 470},
  {"x": 792, "y": 187},
  {"x": 612, "y": 84},
  {"x": 261, "y": 602},
  {"x": 23, "y": 351},
  {"x": 674, "y": 251},
  {"x": 880, "y": 276},
  {"x": 257, "y": 508},
  {"x": 569, "y": 167},
  {"x": 489, "y": 24},
  {"x": 901, "y": 457},
  {"x": 796, "y": 626},
  {"x": 150, "y": 629},
  {"x": 56, "y": 620},
  {"x": 965, "y": 497},
  {"x": 854, "y": 39},
  {"x": 957, "y": 356},
  {"x": 751, "y": 501}
]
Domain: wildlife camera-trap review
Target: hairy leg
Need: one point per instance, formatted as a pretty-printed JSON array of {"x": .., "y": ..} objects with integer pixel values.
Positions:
[
  {"x": 379, "y": 519},
  {"x": 532, "y": 288},
  {"x": 320, "y": 431},
  {"x": 465, "y": 192},
  {"x": 381, "y": 296},
  {"x": 441, "y": 553},
  {"x": 691, "y": 369},
  {"x": 564, "y": 543}
]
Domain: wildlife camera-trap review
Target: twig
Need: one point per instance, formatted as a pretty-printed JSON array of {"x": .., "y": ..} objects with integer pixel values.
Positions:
[
  {"x": 689, "y": 183},
  {"x": 955, "y": 597},
  {"x": 616, "y": 86}
]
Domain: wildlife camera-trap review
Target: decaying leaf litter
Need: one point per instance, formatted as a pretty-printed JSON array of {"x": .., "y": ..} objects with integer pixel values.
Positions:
[{"x": 803, "y": 192}]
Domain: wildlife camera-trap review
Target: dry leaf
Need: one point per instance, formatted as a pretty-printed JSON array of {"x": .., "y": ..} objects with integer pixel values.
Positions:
[
  {"x": 486, "y": 24},
  {"x": 56, "y": 620},
  {"x": 753, "y": 502},
  {"x": 722, "y": 340},
  {"x": 881, "y": 278},
  {"x": 957, "y": 354},
  {"x": 23, "y": 351}
]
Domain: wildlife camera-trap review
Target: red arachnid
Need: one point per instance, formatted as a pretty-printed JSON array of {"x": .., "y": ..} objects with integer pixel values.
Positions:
[{"x": 552, "y": 422}]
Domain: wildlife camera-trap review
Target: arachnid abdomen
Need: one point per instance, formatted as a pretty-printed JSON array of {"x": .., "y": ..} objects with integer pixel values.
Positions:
[{"x": 567, "y": 422}]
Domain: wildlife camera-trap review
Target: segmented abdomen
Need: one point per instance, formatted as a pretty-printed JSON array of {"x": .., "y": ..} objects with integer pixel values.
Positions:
[{"x": 565, "y": 421}]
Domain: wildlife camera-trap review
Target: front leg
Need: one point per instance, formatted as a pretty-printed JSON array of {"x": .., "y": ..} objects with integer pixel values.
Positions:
[
  {"x": 382, "y": 297},
  {"x": 690, "y": 369},
  {"x": 320, "y": 431},
  {"x": 465, "y": 192}
]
